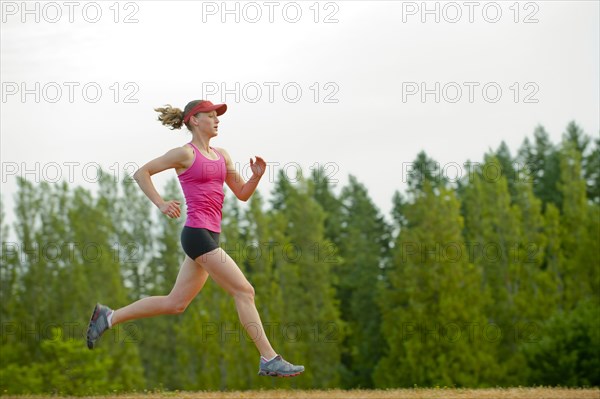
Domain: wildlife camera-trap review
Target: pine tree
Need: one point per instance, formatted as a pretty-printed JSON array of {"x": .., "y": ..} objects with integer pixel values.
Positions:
[
  {"x": 579, "y": 232},
  {"x": 364, "y": 246},
  {"x": 542, "y": 161},
  {"x": 507, "y": 167},
  {"x": 576, "y": 137},
  {"x": 536, "y": 283},
  {"x": 433, "y": 317},
  {"x": 553, "y": 256},
  {"x": 425, "y": 168},
  {"x": 501, "y": 251},
  {"x": 327, "y": 199}
]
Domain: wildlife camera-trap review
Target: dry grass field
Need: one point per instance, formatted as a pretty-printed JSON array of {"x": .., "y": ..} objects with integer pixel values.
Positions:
[{"x": 417, "y": 393}]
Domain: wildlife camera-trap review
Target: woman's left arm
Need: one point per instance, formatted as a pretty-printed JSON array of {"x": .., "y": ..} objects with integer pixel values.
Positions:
[{"x": 242, "y": 189}]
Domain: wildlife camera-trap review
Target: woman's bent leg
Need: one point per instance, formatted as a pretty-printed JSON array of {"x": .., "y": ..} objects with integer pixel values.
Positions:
[
  {"x": 228, "y": 275},
  {"x": 190, "y": 280}
]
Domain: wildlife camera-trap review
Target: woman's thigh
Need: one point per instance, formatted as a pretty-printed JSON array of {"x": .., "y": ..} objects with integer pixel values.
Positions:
[
  {"x": 190, "y": 280},
  {"x": 224, "y": 271}
]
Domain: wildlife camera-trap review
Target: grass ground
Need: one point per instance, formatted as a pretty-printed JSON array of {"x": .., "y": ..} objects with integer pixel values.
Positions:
[{"x": 417, "y": 393}]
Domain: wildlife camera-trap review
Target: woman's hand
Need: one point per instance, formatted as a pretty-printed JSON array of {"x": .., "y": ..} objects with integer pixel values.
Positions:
[
  {"x": 170, "y": 208},
  {"x": 259, "y": 167}
]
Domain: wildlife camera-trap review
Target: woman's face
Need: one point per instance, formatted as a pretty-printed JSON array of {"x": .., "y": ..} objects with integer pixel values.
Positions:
[{"x": 207, "y": 123}]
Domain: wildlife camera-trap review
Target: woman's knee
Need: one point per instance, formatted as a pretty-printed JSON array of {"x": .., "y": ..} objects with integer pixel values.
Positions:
[
  {"x": 245, "y": 292},
  {"x": 176, "y": 305}
]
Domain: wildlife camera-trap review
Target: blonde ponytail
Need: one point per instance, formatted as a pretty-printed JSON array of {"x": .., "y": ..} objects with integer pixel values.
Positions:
[{"x": 169, "y": 116}]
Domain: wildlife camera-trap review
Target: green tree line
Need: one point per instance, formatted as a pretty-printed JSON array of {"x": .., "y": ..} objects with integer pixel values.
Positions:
[{"x": 488, "y": 277}]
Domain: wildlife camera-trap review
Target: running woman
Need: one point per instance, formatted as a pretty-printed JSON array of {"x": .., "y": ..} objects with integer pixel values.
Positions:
[{"x": 201, "y": 170}]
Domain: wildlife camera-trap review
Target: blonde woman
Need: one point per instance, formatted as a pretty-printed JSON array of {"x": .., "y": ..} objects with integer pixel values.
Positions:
[{"x": 202, "y": 170}]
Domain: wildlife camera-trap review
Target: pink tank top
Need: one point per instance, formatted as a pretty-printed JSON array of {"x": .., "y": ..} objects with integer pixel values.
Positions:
[{"x": 202, "y": 185}]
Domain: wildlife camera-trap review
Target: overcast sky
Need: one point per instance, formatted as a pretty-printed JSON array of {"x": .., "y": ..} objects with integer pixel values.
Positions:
[{"x": 337, "y": 84}]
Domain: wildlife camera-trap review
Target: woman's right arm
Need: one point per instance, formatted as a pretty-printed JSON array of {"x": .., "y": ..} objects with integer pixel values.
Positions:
[{"x": 174, "y": 158}]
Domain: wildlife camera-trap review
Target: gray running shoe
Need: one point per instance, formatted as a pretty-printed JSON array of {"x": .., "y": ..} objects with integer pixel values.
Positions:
[
  {"x": 98, "y": 324},
  {"x": 278, "y": 367}
]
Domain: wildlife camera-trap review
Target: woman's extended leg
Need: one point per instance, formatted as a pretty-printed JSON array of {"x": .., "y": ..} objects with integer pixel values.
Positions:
[
  {"x": 190, "y": 280},
  {"x": 228, "y": 275}
]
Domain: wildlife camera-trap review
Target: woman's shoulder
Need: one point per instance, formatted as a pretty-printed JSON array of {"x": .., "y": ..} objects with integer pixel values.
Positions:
[
  {"x": 184, "y": 151},
  {"x": 222, "y": 150},
  {"x": 180, "y": 155}
]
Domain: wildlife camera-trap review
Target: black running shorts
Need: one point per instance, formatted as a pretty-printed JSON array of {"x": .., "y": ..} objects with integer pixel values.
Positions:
[{"x": 198, "y": 241}]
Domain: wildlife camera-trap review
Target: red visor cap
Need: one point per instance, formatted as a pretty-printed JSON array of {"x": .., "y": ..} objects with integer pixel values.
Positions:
[{"x": 205, "y": 106}]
